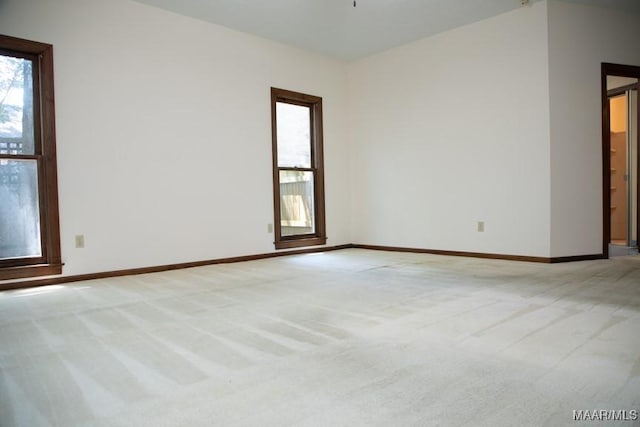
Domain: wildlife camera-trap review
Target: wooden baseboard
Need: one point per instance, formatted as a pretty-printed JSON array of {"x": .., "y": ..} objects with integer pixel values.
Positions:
[
  {"x": 156, "y": 269},
  {"x": 159, "y": 268},
  {"x": 559, "y": 259},
  {"x": 546, "y": 260}
]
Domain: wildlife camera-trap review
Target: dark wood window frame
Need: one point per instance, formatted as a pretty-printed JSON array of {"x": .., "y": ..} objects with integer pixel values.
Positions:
[
  {"x": 49, "y": 263},
  {"x": 314, "y": 103}
]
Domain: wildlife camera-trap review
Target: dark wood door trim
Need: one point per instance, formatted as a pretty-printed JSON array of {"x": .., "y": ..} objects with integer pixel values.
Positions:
[
  {"x": 608, "y": 69},
  {"x": 621, "y": 90}
]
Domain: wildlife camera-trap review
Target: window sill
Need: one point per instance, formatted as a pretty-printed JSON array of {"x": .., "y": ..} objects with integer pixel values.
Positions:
[
  {"x": 28, "y": 271},
  {"x": 297, "y": 243}
]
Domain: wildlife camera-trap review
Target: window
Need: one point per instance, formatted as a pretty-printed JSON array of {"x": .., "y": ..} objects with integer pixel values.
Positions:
[
  {"x": 298, "y": 177},
  {"x": 29, "y": 228}
]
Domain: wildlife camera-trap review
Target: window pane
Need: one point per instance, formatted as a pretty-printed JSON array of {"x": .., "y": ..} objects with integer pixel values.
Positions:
[
  {"x": 296, "y": 203},
  {"x": 293, "y": 132},
  {"x": 19, "y": 211},
  {"x": 16, "y": 106}
]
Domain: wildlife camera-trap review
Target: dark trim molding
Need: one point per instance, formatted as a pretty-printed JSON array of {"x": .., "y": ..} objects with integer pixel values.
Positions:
[
  {"x": 621, "y": 90},
  {"x": 559, "y": 259},
  {"x": 608, "y": 69},
  {"x": 156, "y": 269},
  {"x": 44, "y": 153},
  {"x": 23, "y": 272},
  {"x": 453, "y": 253},
  {"x": 159, "y": 268},
  {"x": 546, "y": 260},
  {"x": 316, "y": 168}
]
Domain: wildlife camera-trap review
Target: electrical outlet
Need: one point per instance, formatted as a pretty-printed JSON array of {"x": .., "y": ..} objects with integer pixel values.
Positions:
[
  {"x": 269, "y": 228},
  {"x": 480, "y": 226},
  {"x": 80, "y": 241}
]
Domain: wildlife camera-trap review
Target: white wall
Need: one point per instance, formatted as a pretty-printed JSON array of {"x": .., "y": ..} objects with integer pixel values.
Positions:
[
  {"x": 580, "y": 39},
  {"x": 163, "y": 131},
  {"x": 452, "y": 130}
]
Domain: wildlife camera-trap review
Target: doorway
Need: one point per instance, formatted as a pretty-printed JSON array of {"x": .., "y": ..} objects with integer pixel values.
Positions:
[{"x": 621, "y": 156}]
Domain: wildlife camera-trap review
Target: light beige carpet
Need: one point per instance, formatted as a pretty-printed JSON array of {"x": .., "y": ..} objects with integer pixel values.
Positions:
[{"x": 349, "y": 338}]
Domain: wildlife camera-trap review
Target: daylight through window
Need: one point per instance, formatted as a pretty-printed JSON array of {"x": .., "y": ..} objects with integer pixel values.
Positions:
[
  {"x": 29, "y": 230},
  {"x": 298, "y": 169}
]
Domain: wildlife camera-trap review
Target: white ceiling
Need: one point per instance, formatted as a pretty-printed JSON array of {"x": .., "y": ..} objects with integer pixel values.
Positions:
[{"x": 336, "y": 28}]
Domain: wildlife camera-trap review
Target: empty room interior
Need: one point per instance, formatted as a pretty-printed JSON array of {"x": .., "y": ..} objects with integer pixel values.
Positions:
[{"x": 319, "y": 213}]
